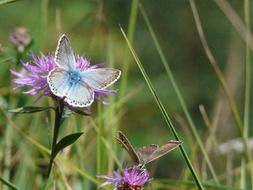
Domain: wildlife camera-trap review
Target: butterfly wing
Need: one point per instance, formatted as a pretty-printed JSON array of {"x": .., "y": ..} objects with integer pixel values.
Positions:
[
  {"x": 145, "y": 152},
  {"x": 149, "y": 153},
  {"x": 80, "y": 95},
  {"x": 64, "y": 56},
  {"x": 128, "y": 147},
  {"x": 100, "y": 78},
  {"x": 77, "y": 94}
]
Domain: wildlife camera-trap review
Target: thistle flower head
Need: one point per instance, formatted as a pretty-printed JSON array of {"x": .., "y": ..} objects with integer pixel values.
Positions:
[
  {"x": 133, "y": 178},
  {"x": 20, "y": 38},
  {"x": 34, "y": 74}
]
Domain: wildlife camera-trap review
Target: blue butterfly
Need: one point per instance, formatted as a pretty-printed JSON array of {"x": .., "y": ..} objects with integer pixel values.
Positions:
[{"x": 71, "y": 83}]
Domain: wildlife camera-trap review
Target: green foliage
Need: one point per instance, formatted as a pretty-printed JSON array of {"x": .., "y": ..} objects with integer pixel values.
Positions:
[
  {"x": 30, "y": 109},
  {"x": 64, "y": 142},
  {"x": 168, "y": 50},
  {"x": 9, "y": 184},
  {"x": 3, "y": 2}
]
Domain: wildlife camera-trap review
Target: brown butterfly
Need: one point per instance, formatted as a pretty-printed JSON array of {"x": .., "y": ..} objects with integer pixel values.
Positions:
[{"x": 143, "y": 155}]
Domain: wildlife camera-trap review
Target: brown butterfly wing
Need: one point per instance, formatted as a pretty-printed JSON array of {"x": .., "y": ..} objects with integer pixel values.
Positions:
[
  {"x": 128, "y": 147},
  {"x": 145, "y": 152},
  {"x": 152, "y": 152}
]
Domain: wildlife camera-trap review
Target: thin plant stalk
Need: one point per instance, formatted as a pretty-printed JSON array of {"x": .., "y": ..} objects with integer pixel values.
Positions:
[
  {"x": 216, "y": 67},
  {"x": 57, "y": 124},
  {"x": 9, "y": 133},
  {"x": 58, "y": 23},
  {"x": 4, "y": 2},
  {"x": 9, "y": 184},
  {"x": 44, "y": 22},
  {"x": 164, "y": 112},
  {"x": 247, "y": 72},
  {"x": 8, "y": 139},
  {"x": 236, "y": 21},
  {"x": 163, "y": 184},
  {"x": 247, "y": 90},
  {"x": 99, "y": 141},
  {"x": 7, "y": 153},
  {"x": 179, "y": 95},
  {"x": 46, "y": 151},
  {"x": 224, "y": 85},
  {"x": 110, "y": 115},
  {"x": 212, "y": 127},
  {"x": 130, "y": 35},
  {"x": 109, "y": 148}
]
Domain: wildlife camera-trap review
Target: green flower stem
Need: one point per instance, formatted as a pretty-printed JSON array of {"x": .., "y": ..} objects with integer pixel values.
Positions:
[{"x": 57, "y": 124}]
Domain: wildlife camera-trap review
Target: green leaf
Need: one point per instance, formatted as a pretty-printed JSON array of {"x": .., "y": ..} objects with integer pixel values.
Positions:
[
  {"x": 30, "y": 109},
  {"x": 64, "y": 142},
  {"x": 7, "y": 59},
  {"x": 2, "y": 2},
  {"x": 9, "y": 184}
]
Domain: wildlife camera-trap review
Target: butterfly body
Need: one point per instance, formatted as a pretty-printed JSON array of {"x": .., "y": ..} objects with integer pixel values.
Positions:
[
  {"x": 75, "y": 84},
  {"x": 146, "y": 154},
  {"x": 74, "y": 77}
]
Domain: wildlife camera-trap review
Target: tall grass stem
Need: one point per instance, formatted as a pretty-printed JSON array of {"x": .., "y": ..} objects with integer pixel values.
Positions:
[
  {"x": 221, "y": 79},
  {"x": 179, "y": 94},
  {"x": 99, "y": 141},
  {"x": 130, "y": 35},
  {"x": 247, "y": 91},
  {"x": 163, "y": 111}
]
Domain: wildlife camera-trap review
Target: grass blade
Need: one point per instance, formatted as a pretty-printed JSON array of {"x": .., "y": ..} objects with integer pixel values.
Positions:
[
  {"x": 46, "y": 151},
  {"x": 99, "y": 141},
  {"x": 3, "y": 2},
  {"x": 247, "y": 91},
  {"x": 216, "y": 67},
  {"x": 179, "y": 94},
  {"x": 30, "y": 109},
  {"x": 9, "y": 184},
  {"x": 247, "y": 72},
  {"x": 130, "y": 35},
  {"x": 190, "y": 183},
  {"x": 236, "y": 21},
  {"x": 8, "y": 59},
  {"x": 162, "y": 109},
  {"x": 223, "y": 83}
]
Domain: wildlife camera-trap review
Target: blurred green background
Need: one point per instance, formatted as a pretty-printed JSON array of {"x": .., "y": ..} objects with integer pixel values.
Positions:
[{"x": 93, "y": 29}]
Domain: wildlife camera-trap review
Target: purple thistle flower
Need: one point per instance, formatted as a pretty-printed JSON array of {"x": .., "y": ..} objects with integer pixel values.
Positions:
[
  {"x": 34, "y": 76},
  {"x": 133, "y": 178}
]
